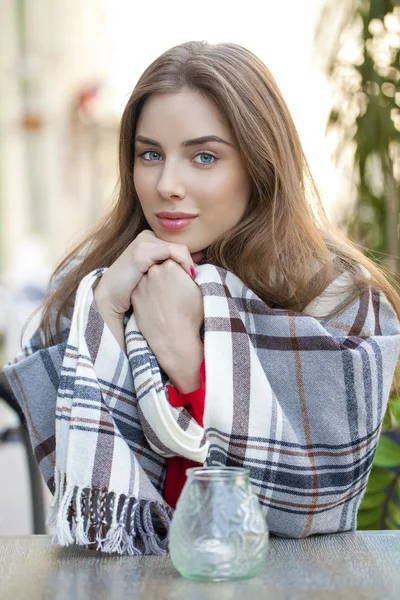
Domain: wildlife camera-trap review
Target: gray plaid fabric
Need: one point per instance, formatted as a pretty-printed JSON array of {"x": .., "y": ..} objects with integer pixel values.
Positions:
[{"x": 295, "y": 398}]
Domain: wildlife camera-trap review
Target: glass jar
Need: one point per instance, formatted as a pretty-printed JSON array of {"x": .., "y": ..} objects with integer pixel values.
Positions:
[{"x": 218, "y": 531}]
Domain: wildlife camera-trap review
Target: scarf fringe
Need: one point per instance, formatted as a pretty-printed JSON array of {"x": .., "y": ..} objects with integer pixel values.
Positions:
[{"x": 112, "y": 523}]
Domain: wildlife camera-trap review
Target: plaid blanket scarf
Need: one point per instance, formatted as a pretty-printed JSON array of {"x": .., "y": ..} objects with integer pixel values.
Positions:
[{"x": 296, "y": 399}]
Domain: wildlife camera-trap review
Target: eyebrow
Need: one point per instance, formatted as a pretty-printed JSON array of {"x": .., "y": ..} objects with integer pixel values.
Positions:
[{"x": 194, "y": 142}]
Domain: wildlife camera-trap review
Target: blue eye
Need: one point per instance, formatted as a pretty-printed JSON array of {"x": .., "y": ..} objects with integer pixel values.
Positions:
[
  {"x": 209, "y": 158},
  {"x": 153, "y": 155}
]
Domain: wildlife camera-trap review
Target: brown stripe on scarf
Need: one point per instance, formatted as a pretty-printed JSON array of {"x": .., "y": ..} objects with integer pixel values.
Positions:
[
  {"x": 45, "y": 449},
  {"x": 223, "y": 324},
  {"x": 213, "y": 288},
  {"x": 94, "y": 331},
  {"x": 143, "y": 385},
  {"x": 303, "y": 407},
  {"x": 98, "y": 422},
  {"x": 111, "y": 394},
  {"x": 240, "y": 374},
  {"x": 83, "y": 361},
  {"x": 362, "y": 313},
  {"x": 134, "y": 337},
  {"x": 31, "y": 423},
  {"x": 103, "y": 459},
  {"x": 376, "y": 306},
  {"x": 345, "y": 328},
  {"x": 85, "y": 365},
  {"x": 150, "y": 435}
]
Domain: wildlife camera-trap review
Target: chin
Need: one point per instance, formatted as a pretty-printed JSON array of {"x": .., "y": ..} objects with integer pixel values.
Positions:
[{"x": 179, "y": 237}]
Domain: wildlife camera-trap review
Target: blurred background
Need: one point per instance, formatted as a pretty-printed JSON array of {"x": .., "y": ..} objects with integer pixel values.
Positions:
[{"x": 67, "y": 68}]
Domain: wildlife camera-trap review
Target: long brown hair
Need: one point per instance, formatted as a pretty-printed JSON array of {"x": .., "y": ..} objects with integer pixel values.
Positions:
[{"x": 284, "y": 231}]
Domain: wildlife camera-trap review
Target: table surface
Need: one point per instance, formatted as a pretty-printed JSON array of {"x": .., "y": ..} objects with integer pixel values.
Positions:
[{"x": 357, "y": 565}]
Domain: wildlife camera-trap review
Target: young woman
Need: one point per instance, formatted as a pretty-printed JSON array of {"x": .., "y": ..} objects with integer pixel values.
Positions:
[{"x": 217, "y": 318}]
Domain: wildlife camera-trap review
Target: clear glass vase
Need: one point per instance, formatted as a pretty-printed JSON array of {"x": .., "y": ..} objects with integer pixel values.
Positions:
[{"x": 218, "y": 531}]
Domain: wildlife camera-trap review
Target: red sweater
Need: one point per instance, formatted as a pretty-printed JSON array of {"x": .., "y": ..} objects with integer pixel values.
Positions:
[{"x": 177, "y": 465}]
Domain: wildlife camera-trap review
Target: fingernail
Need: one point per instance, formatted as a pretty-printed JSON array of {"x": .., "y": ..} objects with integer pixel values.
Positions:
[{"x": 192, "y": 271}]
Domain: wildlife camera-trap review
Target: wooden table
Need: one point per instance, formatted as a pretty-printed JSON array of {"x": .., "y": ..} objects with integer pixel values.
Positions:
[{"x": 357, "y": 566}]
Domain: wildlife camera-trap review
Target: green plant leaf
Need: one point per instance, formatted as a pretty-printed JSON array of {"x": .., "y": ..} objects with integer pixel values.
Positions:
[
  {"x": 391, "y": 507},
  {"x": 387, "y": 453},
  {"x": 375, "y": 511},
  {"x": 396, "y": 410},
  {"x": 379, "y": 479},
  {"x": 387, "y": 419},
  {"x": 369, "y": 519},
  {"x": 392, "y": 516},
  {"x": 370, "y": 501}
]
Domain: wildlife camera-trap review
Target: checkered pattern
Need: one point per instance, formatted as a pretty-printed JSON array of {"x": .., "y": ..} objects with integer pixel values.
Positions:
[{"x": 295, "y": 398}]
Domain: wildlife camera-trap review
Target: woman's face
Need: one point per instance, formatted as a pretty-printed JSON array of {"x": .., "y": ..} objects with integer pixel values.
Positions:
[{"x": 187, "y": 161}]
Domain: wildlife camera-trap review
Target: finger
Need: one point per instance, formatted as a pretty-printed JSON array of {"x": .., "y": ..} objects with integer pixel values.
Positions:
[
  {"x": 176, "y": 252},
  {"x": 181, "y": 255},
  {"x": 147, "y": 233},
  {"x": 139, "y": 289}
]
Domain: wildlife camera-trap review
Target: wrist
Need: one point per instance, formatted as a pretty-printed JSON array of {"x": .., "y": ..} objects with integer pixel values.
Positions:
[
  {"x": 181, "y": 360},
  {"x": 104, "y": 306},
  {"x": 176, "y": 347},
  {"x": 114, "y": 321}
]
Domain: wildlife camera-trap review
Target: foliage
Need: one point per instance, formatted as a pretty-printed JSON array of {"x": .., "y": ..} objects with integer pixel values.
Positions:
[
  {"x": 360, "y": 41},
  {"x": 380, "y": 506}
]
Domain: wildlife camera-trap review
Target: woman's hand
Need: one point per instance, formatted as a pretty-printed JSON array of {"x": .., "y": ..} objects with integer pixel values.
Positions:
[
  {"x": 115, "y": 287},
  {"x": 168, "y": 308}
]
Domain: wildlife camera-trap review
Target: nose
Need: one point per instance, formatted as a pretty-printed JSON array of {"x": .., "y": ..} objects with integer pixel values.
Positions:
[{"x": 170, "y": 184}]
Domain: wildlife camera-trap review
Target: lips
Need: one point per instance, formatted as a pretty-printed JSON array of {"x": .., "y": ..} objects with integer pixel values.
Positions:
[{"x": 173, "y": 221}]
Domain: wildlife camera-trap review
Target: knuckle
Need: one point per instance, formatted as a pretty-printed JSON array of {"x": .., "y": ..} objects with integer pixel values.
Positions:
[
  {"x": 154, "y": 270},
  {"x": 140, "y": 237},
  {"x": 180, "y": 248},
  {"x": 166, "y": 266},
  {"x": 172, "y": 247}
]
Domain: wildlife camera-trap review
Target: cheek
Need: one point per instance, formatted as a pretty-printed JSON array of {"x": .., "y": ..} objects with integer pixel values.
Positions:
[
  {"x": 143, "y": 186},
  {"x": 228, "y": 196}
]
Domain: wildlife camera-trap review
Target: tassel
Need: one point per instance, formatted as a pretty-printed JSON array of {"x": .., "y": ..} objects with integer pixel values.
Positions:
[
  {"x": 113, "y": 509},
  {"x": 124, "y": 525},
  {"x": 87, "y": 513},
  {"x": 63, "y": 531},
  {"x": 90, "y": 511},
  {"x": 131, "y": 549},
  {"x": 155, "y": 545},
  {"x": 81, "y": 537},
  {"x": 115, "y": 539},
  {"x": 99, "y": 519},
  {"x": 143, "y": 535}
]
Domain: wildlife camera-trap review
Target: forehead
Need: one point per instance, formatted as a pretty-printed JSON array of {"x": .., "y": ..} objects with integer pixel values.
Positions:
[{"x": 187, "y": 114}]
